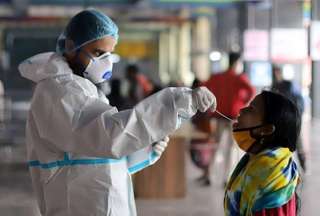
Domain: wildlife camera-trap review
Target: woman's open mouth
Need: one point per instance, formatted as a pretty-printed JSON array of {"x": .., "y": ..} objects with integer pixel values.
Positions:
[{"x": 235, "y": 124}]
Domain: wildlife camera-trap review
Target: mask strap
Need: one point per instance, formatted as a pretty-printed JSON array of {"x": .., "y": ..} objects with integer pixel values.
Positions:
[
  {"x": 105, "y": 55},
  {"x": 86, "y": 53},
  {"x": 249, "y": 128}
]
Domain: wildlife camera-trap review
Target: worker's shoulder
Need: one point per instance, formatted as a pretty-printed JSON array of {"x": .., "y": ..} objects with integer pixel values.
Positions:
[
  {"x": 66, "y": 85},
  {"x": 77, "y": 83}
]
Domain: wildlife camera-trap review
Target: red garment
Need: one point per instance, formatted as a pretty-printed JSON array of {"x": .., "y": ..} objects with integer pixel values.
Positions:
[
  {"x": 232, "y": 91},
  {"x": 145, "y": 84},
  {"x": 288, "y": 209}
]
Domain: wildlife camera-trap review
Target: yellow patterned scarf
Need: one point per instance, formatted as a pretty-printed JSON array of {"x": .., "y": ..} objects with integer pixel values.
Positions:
[{"x": 265, "y": 180}]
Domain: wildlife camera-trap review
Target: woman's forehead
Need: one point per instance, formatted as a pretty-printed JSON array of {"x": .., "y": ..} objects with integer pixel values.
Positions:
[{"x": 258, "y": 102}]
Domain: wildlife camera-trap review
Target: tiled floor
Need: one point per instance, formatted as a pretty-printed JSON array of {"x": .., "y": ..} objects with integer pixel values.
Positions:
[{"x": 16, "y": 198}]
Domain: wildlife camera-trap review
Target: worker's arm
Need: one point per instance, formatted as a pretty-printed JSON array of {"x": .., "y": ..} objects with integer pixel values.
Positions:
[{"x": 86, "y": 125}]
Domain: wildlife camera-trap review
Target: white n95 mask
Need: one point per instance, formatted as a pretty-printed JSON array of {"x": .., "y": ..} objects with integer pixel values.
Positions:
[{"x": 99, "y": 68}]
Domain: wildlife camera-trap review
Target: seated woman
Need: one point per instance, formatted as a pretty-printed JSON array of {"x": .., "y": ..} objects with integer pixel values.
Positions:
[{"x": 265, "y": 180}]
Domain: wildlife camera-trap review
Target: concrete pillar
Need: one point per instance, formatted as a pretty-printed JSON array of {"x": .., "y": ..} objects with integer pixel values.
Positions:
[
  {"x": 184, "y": 50},
  {"x": 315, "y": 85},
  {"x": 164, "y": 73},
  {"x": 201, "y": 44},
  {"x": 173, "y": 52}
]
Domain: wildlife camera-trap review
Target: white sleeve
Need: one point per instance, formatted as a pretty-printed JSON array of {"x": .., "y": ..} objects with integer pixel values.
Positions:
[{"x": 86, "y": 125}]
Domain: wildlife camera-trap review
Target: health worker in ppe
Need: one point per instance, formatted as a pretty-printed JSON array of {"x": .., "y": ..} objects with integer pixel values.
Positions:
[{"x": 81, "y": 150}]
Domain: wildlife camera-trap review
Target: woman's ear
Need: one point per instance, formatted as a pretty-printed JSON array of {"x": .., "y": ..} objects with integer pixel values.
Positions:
[{"x": 267, "y": 130}]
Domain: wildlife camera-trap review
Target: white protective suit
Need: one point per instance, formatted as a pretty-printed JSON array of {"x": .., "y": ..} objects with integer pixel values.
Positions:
[{"x": 81, "y": 150}]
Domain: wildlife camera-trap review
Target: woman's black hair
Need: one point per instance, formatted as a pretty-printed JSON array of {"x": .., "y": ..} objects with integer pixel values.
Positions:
[{"x": 285, "y": 116}]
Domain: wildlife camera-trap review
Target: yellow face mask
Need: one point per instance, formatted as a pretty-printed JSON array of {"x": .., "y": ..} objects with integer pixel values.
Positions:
[{"x": 243, "y": 137}]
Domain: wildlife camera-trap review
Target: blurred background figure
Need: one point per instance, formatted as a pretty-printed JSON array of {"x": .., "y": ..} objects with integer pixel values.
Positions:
[
  {"x": 291, "y": 90},
  {"x": 139, "y": 85},
  {"x": 233, "y": 91},
  {"x": 2, "y": 104},
  {"x": 115, "y": 97}
]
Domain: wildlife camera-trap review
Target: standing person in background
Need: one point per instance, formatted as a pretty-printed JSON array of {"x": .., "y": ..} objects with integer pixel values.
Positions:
[
  {"x": 233, "y": 91},
  {"x": 290, "y": 90},
  {"x": 139, "y": 86}
]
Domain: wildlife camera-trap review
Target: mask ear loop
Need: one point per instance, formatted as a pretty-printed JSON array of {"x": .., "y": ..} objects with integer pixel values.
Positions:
[
  {"x": 105, "y": 55},
  {"x": 86, "y": 53}
]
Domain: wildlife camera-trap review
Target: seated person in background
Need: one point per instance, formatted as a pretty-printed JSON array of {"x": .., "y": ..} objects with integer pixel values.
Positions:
[{"x": 265, "y": 180}]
